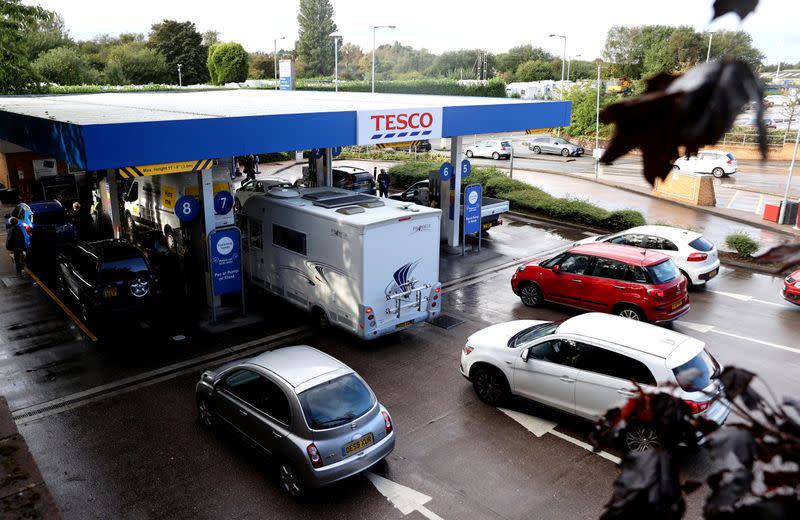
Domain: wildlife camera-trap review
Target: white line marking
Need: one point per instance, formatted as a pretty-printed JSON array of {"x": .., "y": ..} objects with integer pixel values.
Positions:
[
  {"x": 699, "y": 327},
  {"x": 758, "y": 206},
  {"x": 539, "y": 427},
  {"x": 730, "y": 202},
  {"x": 745, "y": 298},
  {"x": 404, "y": 498}
]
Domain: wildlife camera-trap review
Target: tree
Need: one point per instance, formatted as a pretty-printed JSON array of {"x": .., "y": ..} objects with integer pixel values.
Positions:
[
  {"x": 620, "y": 50},
  {"x": 736, "y": 44},
  {"x": 534, "y": 70},
  {"x": 584, "y": 111},
  {"x": 64, "y": 66},
  {"x": 180, "y": 43},
  {"x": 349, "y": 57},
  {"x": 516, "y": 56},
  {"x": 314, "y": 45},
  {"x": 135, "y": 64},
  {"x": 47, "y": 34},
  {"x": 17, "y": 22},
  {"x": 210, "y": 38},
  {"x": 453, "y": 64},
  {"x": 227, "y": 62},
  {"x": 261, "y": 66}
]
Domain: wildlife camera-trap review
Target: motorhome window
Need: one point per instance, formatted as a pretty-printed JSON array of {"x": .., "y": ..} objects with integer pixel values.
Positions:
[
  {"x": 256, "y": 238},
  {"x": 289, "y": 239}
]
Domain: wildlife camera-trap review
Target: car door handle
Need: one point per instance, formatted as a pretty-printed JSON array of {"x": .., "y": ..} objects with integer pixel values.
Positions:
[
  {"x": 276, "y": 435},
  {"x": 242, "y": 413},
  {"x": 625, "y": 392},
  {"x": 578, "y": 281},
  {"x": 567, "y": 379},
  {"x": 619, "y": 287}
]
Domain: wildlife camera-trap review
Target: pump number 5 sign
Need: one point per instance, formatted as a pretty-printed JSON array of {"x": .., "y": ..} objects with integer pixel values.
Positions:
[{"x": 187, "y": 208}]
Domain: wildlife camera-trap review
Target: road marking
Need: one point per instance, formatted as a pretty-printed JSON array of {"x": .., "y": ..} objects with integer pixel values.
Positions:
[
  {"x": 63, "y": 306},
  {"x": 404, "y": 498},
  {"x": 699, "y": 327},
  {"x": 539, "y": 427},
  {"x": 745, "y": 298},
  {"x": 758, "y": 206},
  {"x": 730, "y": 202},
  {"x": 102, "y": 392}
]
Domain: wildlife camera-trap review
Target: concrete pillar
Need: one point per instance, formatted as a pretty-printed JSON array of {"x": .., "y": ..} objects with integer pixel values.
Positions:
[
  {"x": 205, "y": 180},
  {"x": 323, "y": 168},
  {"x": 110, "y": 195},
  {"x": 454, "y": 233}
]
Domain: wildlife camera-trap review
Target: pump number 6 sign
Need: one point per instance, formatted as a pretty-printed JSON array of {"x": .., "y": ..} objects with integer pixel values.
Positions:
[{"x": 187, "y": 208}]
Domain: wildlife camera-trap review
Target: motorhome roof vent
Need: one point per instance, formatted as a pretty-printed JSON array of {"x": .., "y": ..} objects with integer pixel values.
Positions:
[
  {"x": 335, "y": 199},
  {"x": 283, "y": 193},
  {"x": 350, "y": 210},
  {"x": 375, "y": 203}
]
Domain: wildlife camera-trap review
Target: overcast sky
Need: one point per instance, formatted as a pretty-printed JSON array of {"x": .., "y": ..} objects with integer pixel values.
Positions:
[{"x": 438, "y": 25}]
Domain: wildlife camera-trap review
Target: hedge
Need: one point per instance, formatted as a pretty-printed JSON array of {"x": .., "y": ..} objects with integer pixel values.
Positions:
[
  {"x": 524, "y": 197},
  {"x": 442, "y": 87},
  {"x": 742, "y": 244}
]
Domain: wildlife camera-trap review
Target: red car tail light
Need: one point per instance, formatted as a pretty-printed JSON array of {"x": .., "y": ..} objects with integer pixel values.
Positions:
[
  {"x": 314, "y": 456},
  {"x": 387, "y": 422},
  {"x": 697, "y": 257},
  {"x": 28, "y": 229},
  {"x": 655, "y": 293},
  {"x": 696, "y": 407}
]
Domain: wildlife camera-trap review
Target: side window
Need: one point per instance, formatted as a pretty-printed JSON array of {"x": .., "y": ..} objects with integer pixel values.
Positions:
[
  {"x": 260, "y": 393},
  {"x": 259, "y": 187},
  {"x": 607, "y": 268},
  {"x": 17, "y": 213},
  {"x": 133, "y": 192},
  {"x": 574, "y": 264},
  {"x": 548, "y": 264},
  {"x": 660, "y": 243},
  {"x": 289, "y": 239},
  {"x": 274, "y": 403},
  {"x": 256, "y": 237},
  {"x": 608, "y": 363},
  {"x": 85, "y": 266},
  {"x": 628, "y": 240},
  {"x": 635, "y": 274},
  {"x": 559, "y": 351}
]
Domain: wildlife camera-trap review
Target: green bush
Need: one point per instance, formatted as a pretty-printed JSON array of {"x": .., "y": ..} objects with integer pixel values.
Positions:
[
  {"x": 742, "y": 244},
  {"x": 443, "y": 87},
  {"x": 227, "y": 62},
  {"x": 502, "y": 185},
  {"x": 623, "y": 219},
  {"x": 405, "y": 174}
]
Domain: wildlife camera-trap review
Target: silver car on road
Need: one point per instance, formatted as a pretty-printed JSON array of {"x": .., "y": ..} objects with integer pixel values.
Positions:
[
  {"x": 310, "y": 412},
  {"x": 556, "y": 145}
]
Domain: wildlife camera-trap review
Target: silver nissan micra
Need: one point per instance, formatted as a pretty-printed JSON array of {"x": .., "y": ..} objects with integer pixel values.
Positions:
[{"x": 308, "y": 411}]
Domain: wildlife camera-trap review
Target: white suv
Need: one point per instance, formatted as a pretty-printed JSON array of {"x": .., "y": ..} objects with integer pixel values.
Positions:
[
  {"x": 495, "y": 149},
  {"x": 716, "y": 162},
  {"x": 586, "y": 365}
]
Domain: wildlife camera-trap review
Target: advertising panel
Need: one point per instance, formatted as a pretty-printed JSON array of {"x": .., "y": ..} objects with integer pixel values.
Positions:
[
  {"x": 472, "y": 209},
  {"x": 226, "y": 260},
  {"x": 387, "y": 126}
]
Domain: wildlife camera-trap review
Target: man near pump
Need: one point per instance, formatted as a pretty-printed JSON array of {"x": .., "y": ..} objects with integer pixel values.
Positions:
[
  {"x": 249, "y": 169},
  {"x": 383, "y": 184},
  {"x": 16, "y": 243}
]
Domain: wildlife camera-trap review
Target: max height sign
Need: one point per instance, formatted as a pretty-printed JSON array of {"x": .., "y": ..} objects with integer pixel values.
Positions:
[{"x": 388, "y": 126}]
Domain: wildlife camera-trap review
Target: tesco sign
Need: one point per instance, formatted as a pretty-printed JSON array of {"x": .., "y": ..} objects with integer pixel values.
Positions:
[{"x": 409, "y": 124}]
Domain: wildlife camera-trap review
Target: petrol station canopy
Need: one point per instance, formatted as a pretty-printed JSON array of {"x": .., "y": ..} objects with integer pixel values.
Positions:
[{"x": 112, "y": 130}]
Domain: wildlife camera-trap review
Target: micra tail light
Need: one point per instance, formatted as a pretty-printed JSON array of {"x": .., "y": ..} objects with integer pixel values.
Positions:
[
  {"x": 696, "y": 407},
  {"x": 387, "y": 422},
  {"x": 697, "y": 257},
  {"x": 314, "y": 456}
]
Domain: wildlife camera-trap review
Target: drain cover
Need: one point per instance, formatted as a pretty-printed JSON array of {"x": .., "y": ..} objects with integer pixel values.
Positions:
[{"x": 446, "y": 322}]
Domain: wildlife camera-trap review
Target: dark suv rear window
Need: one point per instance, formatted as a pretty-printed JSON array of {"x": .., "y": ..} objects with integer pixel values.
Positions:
[
  {"x": 51, "y": 218},
  {"x": 663, "y": 272},
  {"x": 697, "y": 373},
  {"x": 701, "y": 244}
]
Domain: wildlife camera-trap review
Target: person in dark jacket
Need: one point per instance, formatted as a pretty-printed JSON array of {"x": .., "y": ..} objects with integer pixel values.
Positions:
[
  {"x": 249, "y": 169},
  {"x": 15, "y": 242},
  {"x": 383, "y": 184}
]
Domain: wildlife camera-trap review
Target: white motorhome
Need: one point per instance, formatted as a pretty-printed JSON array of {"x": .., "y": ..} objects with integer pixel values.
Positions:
[
  {"x": 364, "y": 264},
  {"x": 150, "y": 201}
]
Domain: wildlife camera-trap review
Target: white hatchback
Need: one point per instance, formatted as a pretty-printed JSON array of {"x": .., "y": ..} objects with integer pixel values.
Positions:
[
  {"x": 696, "y": 257},
  {"x": 495, "y": 148},
  {"x": 586, "y": 365},
  {"x": 716, "y": 162}
]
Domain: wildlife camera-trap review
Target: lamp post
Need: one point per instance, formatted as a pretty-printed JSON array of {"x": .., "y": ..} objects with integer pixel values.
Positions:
[
  {"x": 789, "y": 180},
  {"x": 275, "y": 58},
  {"x": 569, "y": 63},
  {"x": 336, "y": 37},
  {"x": 563, "y": 59},
  {"x": 708, "y": 53},
  {"x": 597, "y": 125},
  {"x": 374, "y": 27},
  {"x": 180, "y": 80}
]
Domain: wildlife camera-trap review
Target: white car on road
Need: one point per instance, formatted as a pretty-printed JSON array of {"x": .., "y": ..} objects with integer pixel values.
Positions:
[
  {"x": 696, "y": 257},
  {"x": 254, "y": 187},
  {"x": 494, "y": 148},
  {"x": 586, "y": 365},
  {"x": 716, "y": 162}
]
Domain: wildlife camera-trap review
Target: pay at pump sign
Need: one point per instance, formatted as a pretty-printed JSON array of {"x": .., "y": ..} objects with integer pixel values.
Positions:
[
  {"x": 472, "y": 209},
  {"x": 226, "y": 260}
]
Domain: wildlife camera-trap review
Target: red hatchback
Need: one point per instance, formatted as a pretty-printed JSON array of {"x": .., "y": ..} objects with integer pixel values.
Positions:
[
  {"x": 791, "y": 288},
  {"x": 630, "y": 281}
]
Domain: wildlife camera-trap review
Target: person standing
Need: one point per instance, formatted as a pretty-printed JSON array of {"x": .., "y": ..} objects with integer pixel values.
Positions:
[
  {"x": 249, "y": 169},
  {"x": 383, "y": 184},
  {"x": 15, "y": 243}
]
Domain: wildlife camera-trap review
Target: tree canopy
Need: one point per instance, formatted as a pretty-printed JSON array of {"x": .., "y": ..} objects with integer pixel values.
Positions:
[
  {"x": 179, "y": 42},
  {"x": 227, "y": 62},
  {"x": 17, "y": 22},
  {"x": 64, "y": 66},
  {"x": 314, "y": 45}
]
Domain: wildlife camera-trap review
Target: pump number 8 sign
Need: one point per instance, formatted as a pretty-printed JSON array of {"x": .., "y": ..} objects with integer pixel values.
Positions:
[{"x": 187, "y": 208}]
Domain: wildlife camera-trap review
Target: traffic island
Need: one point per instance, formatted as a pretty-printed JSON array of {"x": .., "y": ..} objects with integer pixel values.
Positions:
[{"x": 23, "y": 493}]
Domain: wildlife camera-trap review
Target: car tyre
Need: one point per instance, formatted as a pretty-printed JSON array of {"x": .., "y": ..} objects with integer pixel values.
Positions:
[
  {"x": 639, "y": 437},
  {"x": 531, "y": 295},
  {"x": 718, "y": 173},
  {"x": 204, "y": 413},
  {"x": 290, "y": 479},
  {"x": 495, "y": 156},
  {"x": 490, "y": 386},
  {"x": 469, "y": 154},
  {"x": 564, "y": 153},
  {"x": 631, "y": 312},
  {"x": 536, "y": 150},
  {"x": 689, "y": 283}
]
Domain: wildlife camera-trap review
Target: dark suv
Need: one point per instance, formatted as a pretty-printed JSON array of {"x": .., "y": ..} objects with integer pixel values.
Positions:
[
  {"x": 107, "y": 275},
  {"x": 354, "y": 179}
]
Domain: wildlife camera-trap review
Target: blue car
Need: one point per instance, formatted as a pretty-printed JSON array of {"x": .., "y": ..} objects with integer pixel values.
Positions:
[{"x": 43, "y": 223}]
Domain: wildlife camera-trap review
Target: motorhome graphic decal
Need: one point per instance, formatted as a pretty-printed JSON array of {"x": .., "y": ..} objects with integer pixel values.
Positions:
[{"x": 403, "y": 280}]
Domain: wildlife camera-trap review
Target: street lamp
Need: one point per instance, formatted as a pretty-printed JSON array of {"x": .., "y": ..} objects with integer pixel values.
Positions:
[
  {"x": 180, "y": 80},
  {"x": 563, "y": 59},
  {"x": 708, "y": 53},
  {"x": 336, "y": 38},
  {"x": 374, "y": 27},
  {"x": 569, "y": 63},
  {"x": 597, "y": 124},
  {"x": 275, "y": 58}
]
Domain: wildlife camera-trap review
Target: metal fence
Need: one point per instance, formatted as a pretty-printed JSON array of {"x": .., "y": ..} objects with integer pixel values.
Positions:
[{"x": 751, "y": 137}]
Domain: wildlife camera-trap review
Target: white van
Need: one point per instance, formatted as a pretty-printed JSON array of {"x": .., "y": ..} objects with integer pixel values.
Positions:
[
  {"x": 367, "y": 265},
  {"x": 150, "y": 201}
]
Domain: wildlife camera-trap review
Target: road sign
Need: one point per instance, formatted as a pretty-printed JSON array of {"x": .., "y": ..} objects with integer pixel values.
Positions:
[
  {"x": 472, "y": 209},
  {"x": 336, "y": 151},
  {"x": 317, "y": 153},
  {"x": 223, "y": 202},
  {"x": 226, "y": 260},
  {"x": 445, "y": 171},
  {"x": 187, "y": 208},
  {"x": 466, "y": 168}
]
